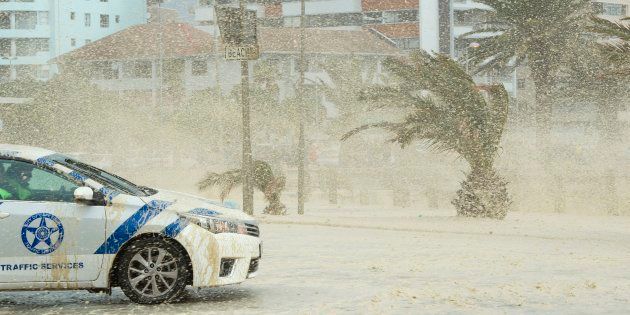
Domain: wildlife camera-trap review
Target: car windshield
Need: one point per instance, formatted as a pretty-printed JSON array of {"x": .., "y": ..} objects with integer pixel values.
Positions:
[{"x": 107, "y": 179}]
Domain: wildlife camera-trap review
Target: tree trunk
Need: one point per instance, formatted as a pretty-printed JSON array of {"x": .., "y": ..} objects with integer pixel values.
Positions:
[
  {"x": 483, "y": 194},
  {"x": 272, "y": 193}
]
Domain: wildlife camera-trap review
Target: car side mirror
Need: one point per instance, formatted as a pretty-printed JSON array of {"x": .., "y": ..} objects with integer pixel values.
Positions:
[{"x": 85, "y": 194}]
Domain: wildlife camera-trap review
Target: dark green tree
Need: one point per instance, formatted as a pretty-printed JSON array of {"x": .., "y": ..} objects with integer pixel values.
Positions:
[
  {"x": 616, "y": 43},
  {"x": 442, "y": 106},
  {"x": 264, "y": 180},
  {"x": 535, "y": 33}
]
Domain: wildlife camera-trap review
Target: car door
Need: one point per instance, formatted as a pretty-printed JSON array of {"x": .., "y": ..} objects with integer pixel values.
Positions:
[{"x": 46, "y": 235}]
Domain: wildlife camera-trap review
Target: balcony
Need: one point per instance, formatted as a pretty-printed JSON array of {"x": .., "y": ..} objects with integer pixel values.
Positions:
[
  {"x": 40, "y": 31},
  {"x": 40, "y": 58}
]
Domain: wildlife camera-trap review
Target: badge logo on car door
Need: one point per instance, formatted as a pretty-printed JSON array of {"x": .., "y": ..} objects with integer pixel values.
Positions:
[{"x": 42, "y": 233}]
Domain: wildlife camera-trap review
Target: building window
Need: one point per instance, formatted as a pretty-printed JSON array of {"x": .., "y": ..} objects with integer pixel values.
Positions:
[
  {"x": 325, "y": 20},
  {"x": 25, "y": 71},
  {"x": 613, "y": 9},
  {"x": 521, "y": 84},
  {"x": 400, "y": 16},
  {"x": 117, "y": 19},
  {"x": 88, "y": 19},
  {"x": 5, "y": 47},
  {"x": 73, "y": 42},
  {"x": 408, "y": 43},
  {"x": 42, "y": 18},
  {"x": 104, "y": 20},
  {"x": 5, "y": 20},
  {"x": 72, "y": 15},
  {"x": 5, "y": 72},
  {"x": 373, "y": 17},
  {"x": 104, "y": 70},
  {"x": 25, "y": 20},
  {"x": 142, "y": 69},
  {"x": 31, "y": 46},
  {"x": 199, "y": 67}
]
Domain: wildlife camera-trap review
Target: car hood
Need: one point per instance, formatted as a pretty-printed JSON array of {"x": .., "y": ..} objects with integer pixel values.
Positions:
[{"x": 185, "y": 203}]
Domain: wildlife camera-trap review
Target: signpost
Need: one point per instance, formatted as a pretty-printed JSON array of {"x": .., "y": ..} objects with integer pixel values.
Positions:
[
  {"x": 238, "y": 31},
  {"x": 241, "y": 53}
]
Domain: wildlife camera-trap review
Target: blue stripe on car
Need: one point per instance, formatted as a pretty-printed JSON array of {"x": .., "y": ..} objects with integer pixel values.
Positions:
[
  {"x": 45, "y": 161},
  {"x": 205, "y": 212},
  {"x": 131, "y": 226},
  {"x": 77, "y": 176},
  {"x": 110, "y": 194},
  {"x": 175, "y": 228}
]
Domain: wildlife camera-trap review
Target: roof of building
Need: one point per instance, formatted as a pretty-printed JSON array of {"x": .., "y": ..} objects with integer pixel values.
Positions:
[
  {"x": 325, "y": 41},
  {"x": 145, "y": 41},
  {"x": 184, "y": 40}
]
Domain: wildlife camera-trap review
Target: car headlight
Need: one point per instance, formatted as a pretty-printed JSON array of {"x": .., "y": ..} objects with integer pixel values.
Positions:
[{"x": 216, "y": 225}]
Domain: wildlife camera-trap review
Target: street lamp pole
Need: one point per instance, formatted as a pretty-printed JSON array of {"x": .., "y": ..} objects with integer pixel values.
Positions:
[
  {"x": 247, "y": 167},
  {"x": 301, "y": 104}
]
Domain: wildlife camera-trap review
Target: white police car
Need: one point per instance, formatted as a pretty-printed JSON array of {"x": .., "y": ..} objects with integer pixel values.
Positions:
[{"x": 67, "y": 225}]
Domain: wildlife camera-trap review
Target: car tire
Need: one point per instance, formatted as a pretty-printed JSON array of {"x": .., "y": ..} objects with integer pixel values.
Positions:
[{"x": 153, "y": 271}]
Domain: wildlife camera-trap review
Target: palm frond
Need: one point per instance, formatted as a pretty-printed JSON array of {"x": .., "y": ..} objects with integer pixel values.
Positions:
[
  {"x": 381, "y": 125},
  {"x": 610, "y": 29},
  {"x": 533, "y": 30},
  {"x": 449, "y": 114},
  {"x": 226, "y": 182}
]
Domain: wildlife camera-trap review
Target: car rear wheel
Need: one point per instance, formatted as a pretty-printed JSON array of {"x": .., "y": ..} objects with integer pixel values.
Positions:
[{"x": 153, "y": 271}]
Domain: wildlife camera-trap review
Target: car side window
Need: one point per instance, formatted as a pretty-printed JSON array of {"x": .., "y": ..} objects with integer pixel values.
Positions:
[{"x": 24, "y": 181}]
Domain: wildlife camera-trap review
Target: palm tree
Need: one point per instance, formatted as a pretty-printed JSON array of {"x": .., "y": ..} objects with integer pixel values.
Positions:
[
  {"x": 264, "y": 180},
  {"x": 616, "y": 44},
  {"x": 443, "y": 107},
  {"x": 535, "y": 33}
]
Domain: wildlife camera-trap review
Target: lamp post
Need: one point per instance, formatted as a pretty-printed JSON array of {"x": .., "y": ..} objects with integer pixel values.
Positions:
[{"x": 302, "y": 140}]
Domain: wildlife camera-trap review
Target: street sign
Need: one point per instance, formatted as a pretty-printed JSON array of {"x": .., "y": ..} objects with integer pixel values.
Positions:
[
  {"x": 241, "y": 53},
  {"x": 239, "y": 33}
]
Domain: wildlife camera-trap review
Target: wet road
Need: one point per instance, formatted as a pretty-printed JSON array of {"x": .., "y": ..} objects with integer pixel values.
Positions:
[{"x": 321, "y": 269}]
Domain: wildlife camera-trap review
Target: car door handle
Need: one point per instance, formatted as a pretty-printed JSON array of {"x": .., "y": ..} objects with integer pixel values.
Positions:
[{"x": 4, "y": 215}]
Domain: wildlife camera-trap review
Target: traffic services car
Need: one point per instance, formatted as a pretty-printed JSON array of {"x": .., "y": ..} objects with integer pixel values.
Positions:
[{"x": 67, "y": 225}]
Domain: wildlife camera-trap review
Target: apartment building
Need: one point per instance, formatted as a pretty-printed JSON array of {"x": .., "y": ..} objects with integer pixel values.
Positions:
[
  {"x": 32, "y": 32},
  {"x": 395, "y": 20},
  {"x": 612, "y": 9}
]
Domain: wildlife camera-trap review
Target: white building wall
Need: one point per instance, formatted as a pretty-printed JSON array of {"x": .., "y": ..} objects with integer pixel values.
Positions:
[
  {"x": 53, "y": 23},
  {"x": 314, "y": 7},
  {"x": 429, "y": 26}
]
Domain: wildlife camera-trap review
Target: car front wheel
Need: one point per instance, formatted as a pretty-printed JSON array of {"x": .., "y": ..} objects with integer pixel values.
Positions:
[{"x": 153, "y": 271}]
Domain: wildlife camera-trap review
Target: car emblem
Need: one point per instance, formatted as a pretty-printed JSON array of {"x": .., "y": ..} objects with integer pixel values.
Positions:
[{"x": 42, "y": 233}]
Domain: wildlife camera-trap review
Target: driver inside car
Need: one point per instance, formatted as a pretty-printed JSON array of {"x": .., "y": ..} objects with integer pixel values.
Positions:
[{"x": 14, "y": 183}]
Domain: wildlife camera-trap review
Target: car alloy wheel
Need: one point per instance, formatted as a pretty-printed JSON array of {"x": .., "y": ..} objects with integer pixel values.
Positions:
[{"x": 152, "y": 272}]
